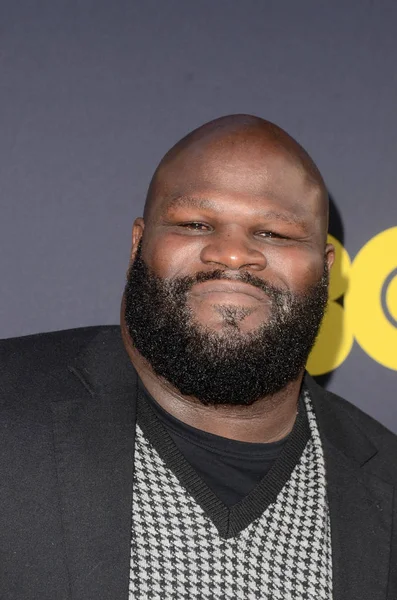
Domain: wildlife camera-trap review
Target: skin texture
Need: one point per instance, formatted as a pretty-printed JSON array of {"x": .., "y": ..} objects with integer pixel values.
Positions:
[{"x": 239, "y": 195}]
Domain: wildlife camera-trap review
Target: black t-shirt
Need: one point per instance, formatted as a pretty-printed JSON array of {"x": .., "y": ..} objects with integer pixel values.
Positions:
[{"x": 230, "y": 468}]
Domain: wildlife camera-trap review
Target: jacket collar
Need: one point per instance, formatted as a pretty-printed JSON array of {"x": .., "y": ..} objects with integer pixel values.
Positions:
[
  {"x": 94, "y": 439},
  {"x": 338, "y": 426}
]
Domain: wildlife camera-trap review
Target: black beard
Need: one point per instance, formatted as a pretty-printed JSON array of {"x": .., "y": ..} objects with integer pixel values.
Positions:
[{"x": 228, "y": 367}]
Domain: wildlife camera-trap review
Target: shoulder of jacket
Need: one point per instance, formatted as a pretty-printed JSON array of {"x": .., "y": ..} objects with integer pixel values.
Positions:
[
  {"x": 36, "y": 368},
  {"x": 51, "y": 346},
  {"x": 347, "y": 412}
]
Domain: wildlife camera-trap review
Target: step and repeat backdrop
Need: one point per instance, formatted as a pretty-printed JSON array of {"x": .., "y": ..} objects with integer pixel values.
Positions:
[{"x": 94, "y": 92}]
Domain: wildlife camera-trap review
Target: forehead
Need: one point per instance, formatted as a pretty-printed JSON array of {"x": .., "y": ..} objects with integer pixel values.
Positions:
[{"x": 257, "y": 172}]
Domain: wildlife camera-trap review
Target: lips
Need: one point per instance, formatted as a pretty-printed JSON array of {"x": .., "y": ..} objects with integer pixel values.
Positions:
[{"x": 227, "y": 286}]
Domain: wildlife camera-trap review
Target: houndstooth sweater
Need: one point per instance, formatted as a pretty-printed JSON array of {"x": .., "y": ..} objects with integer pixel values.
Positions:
[{"x": 275, "y": 544}]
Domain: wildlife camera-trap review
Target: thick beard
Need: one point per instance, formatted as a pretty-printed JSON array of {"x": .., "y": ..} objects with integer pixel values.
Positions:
[{"x": 228, "y": 367}]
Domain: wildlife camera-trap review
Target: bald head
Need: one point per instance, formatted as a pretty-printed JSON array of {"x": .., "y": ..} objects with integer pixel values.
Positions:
[{"x": 231, "y": 143}]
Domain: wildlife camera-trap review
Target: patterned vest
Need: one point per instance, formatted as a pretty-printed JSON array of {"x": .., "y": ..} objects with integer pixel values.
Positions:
[{"x": 178, "y": 553}]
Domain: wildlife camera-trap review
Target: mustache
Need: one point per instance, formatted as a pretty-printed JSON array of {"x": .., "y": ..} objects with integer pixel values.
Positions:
[{"x": 182, "y": 285}]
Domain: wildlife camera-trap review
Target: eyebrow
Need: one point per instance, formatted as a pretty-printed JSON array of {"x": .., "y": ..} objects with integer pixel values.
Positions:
[{"x": 208, "y": 204}]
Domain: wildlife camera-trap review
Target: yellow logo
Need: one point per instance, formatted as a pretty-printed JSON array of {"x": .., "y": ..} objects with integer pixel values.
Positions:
[{"x": 368, "y": 286}]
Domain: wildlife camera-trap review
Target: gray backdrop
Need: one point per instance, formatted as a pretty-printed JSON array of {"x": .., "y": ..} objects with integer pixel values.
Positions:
[{"x": 92, "y": 93}]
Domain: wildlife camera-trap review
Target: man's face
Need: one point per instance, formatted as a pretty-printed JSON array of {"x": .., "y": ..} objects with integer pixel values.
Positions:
[
  {"x": 240, "y": 210},
  {"x": 235, "y": 244}
]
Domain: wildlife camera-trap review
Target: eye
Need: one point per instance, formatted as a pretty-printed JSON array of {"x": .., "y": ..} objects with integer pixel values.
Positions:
[
  {"x": 195, "y": 226},
  {"x": 272, "y": 235}
]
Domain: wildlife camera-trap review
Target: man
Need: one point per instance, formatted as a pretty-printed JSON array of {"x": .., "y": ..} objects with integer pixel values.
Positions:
[{"x": 197, "y": 459}]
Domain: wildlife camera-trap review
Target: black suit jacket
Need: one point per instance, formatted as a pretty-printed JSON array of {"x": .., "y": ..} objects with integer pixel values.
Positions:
[{"x": 67, "y": 416}]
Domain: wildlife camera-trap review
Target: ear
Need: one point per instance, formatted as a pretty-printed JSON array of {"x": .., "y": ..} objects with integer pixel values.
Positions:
[
  {"x": 330, "y": 255},
  {"x": 137, "y": 233}
]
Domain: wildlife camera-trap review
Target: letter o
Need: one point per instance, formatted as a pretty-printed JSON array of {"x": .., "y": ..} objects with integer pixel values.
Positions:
[{"x": 371, "y": 298}]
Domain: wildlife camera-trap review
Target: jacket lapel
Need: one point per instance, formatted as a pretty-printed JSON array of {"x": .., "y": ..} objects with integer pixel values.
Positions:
[
  {"x": 94, "y": 443},
  {"x": 360, "y": 504}
]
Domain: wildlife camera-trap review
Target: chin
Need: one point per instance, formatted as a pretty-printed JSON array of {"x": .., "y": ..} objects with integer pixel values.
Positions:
[{"x": 227, "y": 324}]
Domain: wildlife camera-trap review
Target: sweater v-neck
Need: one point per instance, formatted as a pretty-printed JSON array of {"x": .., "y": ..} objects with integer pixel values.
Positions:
[{"x": 229, "y": 520}]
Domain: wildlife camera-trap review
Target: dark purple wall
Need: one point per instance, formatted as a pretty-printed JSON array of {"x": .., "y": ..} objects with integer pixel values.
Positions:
[{"x": 92, "y": 93}]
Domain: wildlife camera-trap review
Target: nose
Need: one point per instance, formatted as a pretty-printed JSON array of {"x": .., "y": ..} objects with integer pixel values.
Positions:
[{"x": 235, "y": 251}]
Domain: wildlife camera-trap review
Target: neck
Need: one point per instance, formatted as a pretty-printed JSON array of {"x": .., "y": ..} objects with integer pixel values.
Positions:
[{"x": 269, "y": 419}]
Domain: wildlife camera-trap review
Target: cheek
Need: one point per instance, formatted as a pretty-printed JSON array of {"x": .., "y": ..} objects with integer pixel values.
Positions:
[
  {"x": 296, "y": 268},
  {"x": 172, "y": 256}
]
